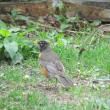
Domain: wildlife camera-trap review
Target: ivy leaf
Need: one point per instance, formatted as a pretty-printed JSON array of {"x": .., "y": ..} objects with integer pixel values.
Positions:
[
  {"x": 21, "y": 17},
  {"x": 2, "y": 25},
  {"x": 17, "y": 58},
  {"x": 64, "y": 26},
  {"x": 14, "y": 29},
  {"x": 1, "y": 45},
  {"x": 62, "y": 42},
  {"x": 96, "y": 23},
  {"x": 11, "y": 48},
  {"x": 5, "y": 33},
  {"x": 59, "y": 36}
]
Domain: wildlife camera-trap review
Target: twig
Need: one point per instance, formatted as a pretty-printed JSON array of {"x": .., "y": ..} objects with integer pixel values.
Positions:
[{"x": 101, "y": 80}]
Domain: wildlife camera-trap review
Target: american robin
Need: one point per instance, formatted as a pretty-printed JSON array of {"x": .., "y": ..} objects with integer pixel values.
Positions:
[{"x": 51, "y": 65}]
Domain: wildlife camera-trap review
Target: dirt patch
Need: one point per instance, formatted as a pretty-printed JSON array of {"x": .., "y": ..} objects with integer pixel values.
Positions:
[
  {"x": 5, "y": 88},
  {"x": 55, "y": 92}
]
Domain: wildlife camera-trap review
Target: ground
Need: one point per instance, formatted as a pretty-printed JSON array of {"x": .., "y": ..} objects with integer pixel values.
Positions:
[{"x": 22, "y": 87}]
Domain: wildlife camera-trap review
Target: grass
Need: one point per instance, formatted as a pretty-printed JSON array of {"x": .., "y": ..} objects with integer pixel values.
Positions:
[{"x": 19, "y": 88}]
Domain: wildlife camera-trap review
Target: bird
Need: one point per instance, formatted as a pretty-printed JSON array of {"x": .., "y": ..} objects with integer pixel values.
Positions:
[{"x": 50, "y": 64}]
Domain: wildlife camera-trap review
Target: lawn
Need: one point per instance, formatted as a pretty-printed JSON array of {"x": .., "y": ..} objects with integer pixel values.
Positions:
[
  {"x": 85, "y": 54},
  {"x": 22, "y": 87}
]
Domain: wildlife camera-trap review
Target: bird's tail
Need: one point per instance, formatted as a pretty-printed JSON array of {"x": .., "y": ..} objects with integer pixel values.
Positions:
[{"x": 65, "y": 81}]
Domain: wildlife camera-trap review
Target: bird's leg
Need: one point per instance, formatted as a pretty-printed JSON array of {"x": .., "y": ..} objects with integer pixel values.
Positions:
[
  {"x": 48, "y": 83},
  {"x": 56, "y": 82},
  {"x": 56, "y": 88},
  {"x": 49, "y": 86}
]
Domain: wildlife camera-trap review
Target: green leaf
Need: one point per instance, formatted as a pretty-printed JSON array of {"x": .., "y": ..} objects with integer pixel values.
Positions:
[
  {"x": 17, "y": 58},
  {"x": 21, "y": 17},
  {"x": 21, "y": 34},
  {"x": 62, "y": 42},
  {"x": 11, "y": 47},
  {"x": 14, "y": 13},
  {"x": 6, "y": 54},
  {"x": 43, "y": 35},
  {"x": 5, "y": 33},
  {"x": 59, "y": 36},
  {"x": 2, "y": 25},
  {"x": 96, "y": 22},
  {"x": 1, "y": 45},
  {"x": 14, "y": 29},
  {"x": 64, "y": 26}
]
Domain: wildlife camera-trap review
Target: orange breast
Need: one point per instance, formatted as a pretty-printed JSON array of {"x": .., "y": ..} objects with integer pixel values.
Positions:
[{"x": 44, "y": 71}]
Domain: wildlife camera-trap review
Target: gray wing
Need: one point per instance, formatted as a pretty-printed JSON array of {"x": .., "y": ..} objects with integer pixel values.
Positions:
[
  {"x": 52, "y": 63},
  {"x": 53, "y": 68},
  {"x": 60, "y": 66}
]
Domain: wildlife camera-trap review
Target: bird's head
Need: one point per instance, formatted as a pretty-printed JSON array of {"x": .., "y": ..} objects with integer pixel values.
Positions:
[{"x": 43, "y": 45}]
